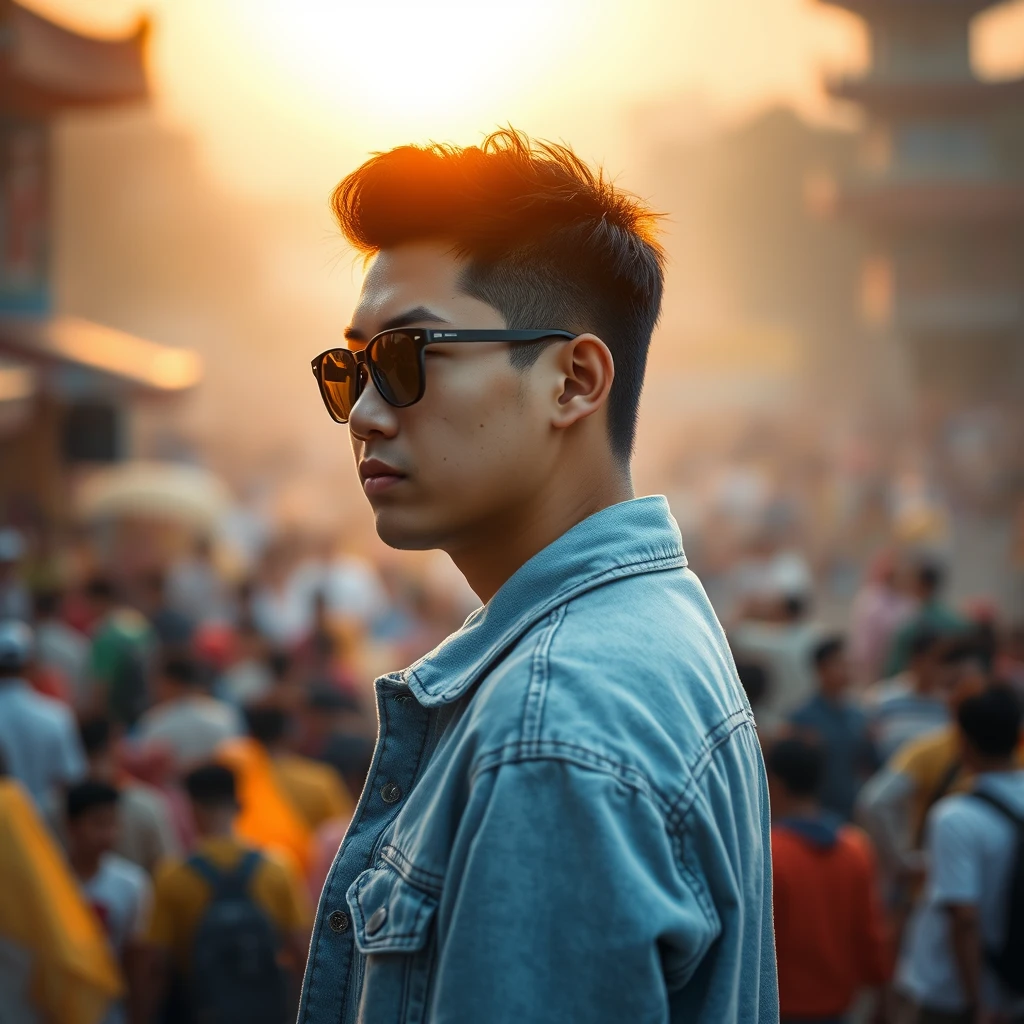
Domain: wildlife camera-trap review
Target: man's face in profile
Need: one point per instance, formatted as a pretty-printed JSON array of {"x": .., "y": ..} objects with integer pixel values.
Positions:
[{"x": 443, "y": 472}]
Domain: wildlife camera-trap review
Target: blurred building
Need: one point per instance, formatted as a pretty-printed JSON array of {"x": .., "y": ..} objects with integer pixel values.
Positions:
[
  {"x": 941, "y": 195},
  {"x": 67, "y": 385}
]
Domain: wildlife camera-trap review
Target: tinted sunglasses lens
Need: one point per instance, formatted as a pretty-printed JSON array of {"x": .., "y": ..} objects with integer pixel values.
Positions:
[
  {"x": 339, "y": 380},
  {"x": 395, "y": 364}
]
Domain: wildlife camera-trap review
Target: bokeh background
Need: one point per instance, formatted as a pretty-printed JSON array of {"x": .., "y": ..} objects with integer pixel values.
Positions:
[{"x": 820, "y": 360}]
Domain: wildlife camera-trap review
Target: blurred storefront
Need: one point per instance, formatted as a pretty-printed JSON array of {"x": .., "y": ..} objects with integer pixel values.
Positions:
[{"x": 67, "y": 385}]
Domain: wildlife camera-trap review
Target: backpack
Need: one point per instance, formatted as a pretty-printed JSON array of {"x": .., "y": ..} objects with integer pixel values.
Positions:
[
  {"x": 1008, "y": 961},
  {"x": 235, "y": 977}
]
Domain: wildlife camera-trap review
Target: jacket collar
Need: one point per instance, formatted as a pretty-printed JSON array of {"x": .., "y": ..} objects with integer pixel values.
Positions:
[{"x": 627, "y": 539}]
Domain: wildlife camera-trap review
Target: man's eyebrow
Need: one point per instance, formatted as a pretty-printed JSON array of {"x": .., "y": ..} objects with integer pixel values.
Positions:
[{"x": 416, "y": 315}]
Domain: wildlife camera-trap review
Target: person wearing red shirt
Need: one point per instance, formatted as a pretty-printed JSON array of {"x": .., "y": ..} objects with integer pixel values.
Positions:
[{"x": 830, "y": 932}]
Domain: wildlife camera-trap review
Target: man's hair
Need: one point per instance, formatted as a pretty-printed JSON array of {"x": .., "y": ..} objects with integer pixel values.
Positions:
[
  {"x": 266, "y": 723},
  {"x": 102, "y": 589},
  {"x": 182, "y": 669},
  {"x": 991, "y": 721},
  {"x": 924, "y": 640},
  {"x": 95, "y": 733},
  {"x": 548, "y": 241},
  {"x": 212, "y": 785},
  {"x": 88, "y": 795},
  {"x": 827, "y": 649},
  {"x": 931, "y": 576},
  {"x": 798, "y": 764}
]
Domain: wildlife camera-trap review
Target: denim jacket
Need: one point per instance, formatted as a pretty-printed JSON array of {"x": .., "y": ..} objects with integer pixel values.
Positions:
[{"x": 566, "y": 817}]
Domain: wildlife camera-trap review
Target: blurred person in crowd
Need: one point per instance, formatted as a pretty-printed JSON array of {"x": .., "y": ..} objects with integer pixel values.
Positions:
[
  {"x": 350, "y": 586},
  {"x": 14, "y": 597},
  {"x": 315, "y": 789},
  {"x": 174, "y": 627},
  {"x": 536, "y": 773},
  {"x": 56, "y": 963},
  {"x": 830, "y": 929},
  {"x": 880, "y": 608},
  {"x": 915, "y": 702},
  {"x": 145, "y": 833},
  {"x": 248, "y": 677},
  {"x": 332, "y": 729},
  {"x": 932, "y": 612},
  {"x": 121, "y": 655},
  {"x": 320, "y": 658},
  {"x": 38, "y": 737},
  {"x": 894, "y": 803},
  {"x": 842, "y": 726},
  {"x": 186, "y": 718},
  {"x": 230, "y": 922},
  {"x": 954, "y": 966},
  {"x": 197, "y": 589},
  {"x": 282, "y": 602},
  {"x": 118, "y": 891},
  {"x": 755, "y": 682},
  {"x": 1010, "y": 656},
  {"x": 782, "y": 640},
  {"x": 59, "y": 649}
]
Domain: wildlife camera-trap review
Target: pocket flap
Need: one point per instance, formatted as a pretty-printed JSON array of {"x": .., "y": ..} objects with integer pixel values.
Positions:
[{"x": 390, "y": 914}]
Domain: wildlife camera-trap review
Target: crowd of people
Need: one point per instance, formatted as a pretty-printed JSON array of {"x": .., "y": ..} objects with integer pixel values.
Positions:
[{"x": 181, "y": 753}]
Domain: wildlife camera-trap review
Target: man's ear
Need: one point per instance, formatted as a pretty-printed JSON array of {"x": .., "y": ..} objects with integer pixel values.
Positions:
[{"x": 585, "y": 374}]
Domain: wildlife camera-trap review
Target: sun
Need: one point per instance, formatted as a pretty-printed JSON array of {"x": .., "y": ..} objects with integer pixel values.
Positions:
[{"x": 406, "y": 61}]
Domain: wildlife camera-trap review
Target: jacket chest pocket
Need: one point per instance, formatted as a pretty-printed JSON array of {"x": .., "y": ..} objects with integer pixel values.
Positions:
[{"x": 393, "y": 928}]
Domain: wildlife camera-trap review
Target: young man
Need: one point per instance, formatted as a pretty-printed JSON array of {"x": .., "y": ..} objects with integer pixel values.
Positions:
[
  {"x": 972, "y": 846},
  {"x": 117, "y": 890},
  {"x": 566, "y": 818},
  {"x": 270, "y": 929},
  {"x": 849, "y": 752},
  {"x": 145, "y": 833},
  {"x": 829, "y": 926},
  {"x": 186, "y": 718},
  {"x": 38, "y": 739}
]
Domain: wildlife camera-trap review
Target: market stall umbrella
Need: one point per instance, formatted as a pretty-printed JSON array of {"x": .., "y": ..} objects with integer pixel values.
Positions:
[{"x": 154, "y": 490}]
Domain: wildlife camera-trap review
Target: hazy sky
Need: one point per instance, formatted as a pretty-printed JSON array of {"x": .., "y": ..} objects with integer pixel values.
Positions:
[{"x": 284, "y": 94}]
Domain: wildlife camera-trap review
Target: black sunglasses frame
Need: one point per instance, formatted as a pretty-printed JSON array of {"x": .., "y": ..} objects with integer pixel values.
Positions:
[{"x": 365, "y": 367}]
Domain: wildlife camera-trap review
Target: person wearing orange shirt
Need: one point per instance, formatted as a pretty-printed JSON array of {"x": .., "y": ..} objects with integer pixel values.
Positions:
[{"x": 830, "y": 933}]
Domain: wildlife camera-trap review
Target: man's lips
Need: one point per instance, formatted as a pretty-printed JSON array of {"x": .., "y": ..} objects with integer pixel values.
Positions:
[{"x": 378, "y": 476}]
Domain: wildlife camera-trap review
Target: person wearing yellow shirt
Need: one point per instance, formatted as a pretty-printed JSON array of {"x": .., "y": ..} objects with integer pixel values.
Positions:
[
  {"x": 196, "y": 896},
  {"x": 314, "y": 789}
]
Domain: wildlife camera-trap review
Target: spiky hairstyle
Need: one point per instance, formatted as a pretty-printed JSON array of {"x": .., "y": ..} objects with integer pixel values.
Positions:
[{"x": 548, "y": 242}]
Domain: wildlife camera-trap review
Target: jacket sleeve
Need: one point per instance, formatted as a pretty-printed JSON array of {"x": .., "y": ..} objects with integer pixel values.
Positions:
[{"x": 564, "y": 901}]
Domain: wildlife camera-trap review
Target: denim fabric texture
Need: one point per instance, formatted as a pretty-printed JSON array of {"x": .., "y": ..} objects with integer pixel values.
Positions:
[{"x": 566, "y": 817}]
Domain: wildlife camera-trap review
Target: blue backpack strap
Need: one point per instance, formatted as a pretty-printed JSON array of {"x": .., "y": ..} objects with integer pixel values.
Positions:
[
  {"x": 226, "y": 884},
  {"x": 997, "y": 804}
]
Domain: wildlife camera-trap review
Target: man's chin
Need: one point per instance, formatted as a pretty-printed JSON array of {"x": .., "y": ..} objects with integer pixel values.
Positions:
[{"x": 400, "y": 529}]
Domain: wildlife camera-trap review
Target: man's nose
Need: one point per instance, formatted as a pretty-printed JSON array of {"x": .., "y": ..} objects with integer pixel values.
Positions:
[{"x": 371, "y": 414}]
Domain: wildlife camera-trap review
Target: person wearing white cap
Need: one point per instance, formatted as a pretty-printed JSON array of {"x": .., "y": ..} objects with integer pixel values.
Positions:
[{"x": 39, "y": 742}]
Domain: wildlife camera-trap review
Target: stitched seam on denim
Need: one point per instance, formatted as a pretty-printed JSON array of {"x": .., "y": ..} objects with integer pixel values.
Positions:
[
  {"x": 570, "y": 753},
  {"x": 677, "y": 560},
  {"x": 417, "y": 877},
  {"x": 681, "y": 806},
  {"x": 536, "y": 692}
]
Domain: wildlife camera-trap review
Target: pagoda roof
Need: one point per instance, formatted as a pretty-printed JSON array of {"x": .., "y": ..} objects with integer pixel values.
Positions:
[
  {"x": 46, "y": 68},
  {"x": 923, "y": 8},
  {"x": 914, "y": 96},
  {"x": 144, "y": 366},
  {"x": 933, "y": 202}
]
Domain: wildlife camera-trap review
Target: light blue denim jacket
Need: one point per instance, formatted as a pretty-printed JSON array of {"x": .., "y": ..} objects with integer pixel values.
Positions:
[{"x": 566, "y": 818}]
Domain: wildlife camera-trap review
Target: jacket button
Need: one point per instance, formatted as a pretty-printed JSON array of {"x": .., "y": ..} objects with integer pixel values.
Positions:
[
  {"x": 390, "y": 793},
  {"x": 376, "y": 921},
  {"x": 338, "y": 921}
]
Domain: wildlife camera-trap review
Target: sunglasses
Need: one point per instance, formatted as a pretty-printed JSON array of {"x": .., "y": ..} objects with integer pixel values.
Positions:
[{"x": 395, "y": 362}]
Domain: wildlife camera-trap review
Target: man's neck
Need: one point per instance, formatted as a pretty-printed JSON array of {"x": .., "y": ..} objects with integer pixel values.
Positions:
[{"x": 491, "y": 557}]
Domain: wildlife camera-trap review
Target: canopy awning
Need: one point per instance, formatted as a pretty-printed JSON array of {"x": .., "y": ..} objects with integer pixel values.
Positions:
[
  {"x": 45, "y": 68},
  {"x": 64, "y": 340}
]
